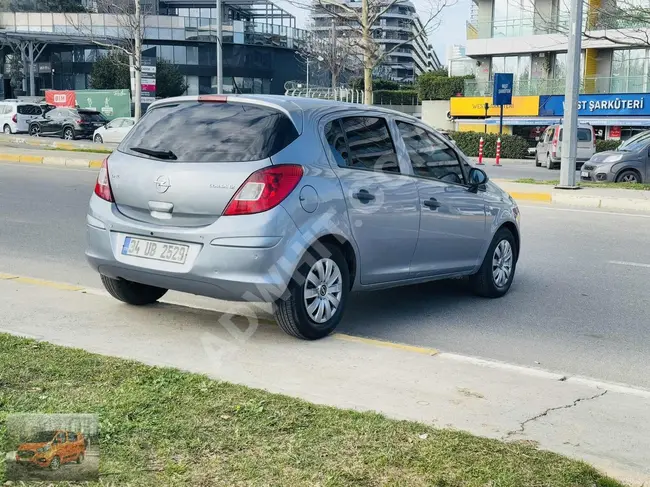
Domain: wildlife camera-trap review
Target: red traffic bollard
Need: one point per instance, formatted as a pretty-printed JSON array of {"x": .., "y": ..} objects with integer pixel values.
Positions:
[
  {"x": 480, "y": 152},
  {"x": 498, "y": 162}
]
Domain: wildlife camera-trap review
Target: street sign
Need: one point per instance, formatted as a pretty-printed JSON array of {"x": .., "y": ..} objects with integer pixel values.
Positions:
[{"x": 502, "y": 94}]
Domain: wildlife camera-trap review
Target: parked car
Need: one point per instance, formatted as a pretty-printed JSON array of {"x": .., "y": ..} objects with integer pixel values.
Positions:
[
  {"x": 549, "y": 147},
  {"x": 293, "y": 201},
  {"x": 67, "y": 123},
  {"x": 16, "y": 116},
  {"x": 114, "y": 131},
  {"x": 629, "y": 163},
  {"x": 51, "y": 449}
]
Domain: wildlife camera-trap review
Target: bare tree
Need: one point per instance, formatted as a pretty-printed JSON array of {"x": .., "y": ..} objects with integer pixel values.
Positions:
[
  {"x": 129, "y": 18},
  {"x": 337, "y": 55},
  {"x": 361, "y": 21}
]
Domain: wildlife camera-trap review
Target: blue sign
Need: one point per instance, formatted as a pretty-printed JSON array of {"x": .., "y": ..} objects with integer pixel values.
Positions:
[
  {"x": 502, "y": 94},
  {"x": 610, "y": 104}
]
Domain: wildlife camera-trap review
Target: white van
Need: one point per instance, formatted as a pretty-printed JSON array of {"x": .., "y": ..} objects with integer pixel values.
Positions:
[
  {"x": 16, "y": 116},
  {"x": 549, "y": 147}
]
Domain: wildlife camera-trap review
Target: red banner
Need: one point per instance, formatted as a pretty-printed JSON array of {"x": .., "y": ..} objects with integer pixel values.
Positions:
[
  {"x": 60, "y": 98},
  {"x": 615, "y": 132}
]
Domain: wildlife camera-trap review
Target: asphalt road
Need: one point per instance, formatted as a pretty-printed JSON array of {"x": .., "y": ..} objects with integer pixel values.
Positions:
[
  {"x": 524, "y": 168},
  {"x": 578, "y": 304}
]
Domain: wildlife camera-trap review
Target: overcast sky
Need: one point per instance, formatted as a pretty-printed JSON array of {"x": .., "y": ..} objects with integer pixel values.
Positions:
[{"x": 451, "y": 31}]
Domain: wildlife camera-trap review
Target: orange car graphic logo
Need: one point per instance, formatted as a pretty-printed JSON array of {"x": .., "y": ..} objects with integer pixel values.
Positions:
[{"x": 51, "y": 449}]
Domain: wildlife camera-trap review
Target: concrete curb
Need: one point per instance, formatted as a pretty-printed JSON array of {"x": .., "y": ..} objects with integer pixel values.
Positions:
[
  {"x": 51, "y": 160},
  {"x": 37, "y": 142},
  {"x": 591, "y": 201}
]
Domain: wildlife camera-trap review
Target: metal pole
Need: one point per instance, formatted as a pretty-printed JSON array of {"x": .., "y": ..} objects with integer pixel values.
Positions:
[
  {"x": 570, "y": 128},
  {"x": 487, "y": 107},
  {"x": 219, "y": 51},
  {"x": 32, "y": 87},
  {"x": 52, "y": 78},
  {"x": 307, "y": 78},
  {"x": 501, "y": 118},
  {"x": 333, "y": 58}
]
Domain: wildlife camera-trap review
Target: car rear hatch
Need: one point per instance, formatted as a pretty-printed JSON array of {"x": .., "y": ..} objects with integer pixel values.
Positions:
[
  {"x": 91, "y": 119},
  {"x": 184, "y": 160},
  {"x": 586, "y": 144}
]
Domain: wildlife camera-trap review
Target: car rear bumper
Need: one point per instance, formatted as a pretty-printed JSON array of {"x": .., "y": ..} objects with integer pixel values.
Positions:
[{"x": 222, "y": 264}]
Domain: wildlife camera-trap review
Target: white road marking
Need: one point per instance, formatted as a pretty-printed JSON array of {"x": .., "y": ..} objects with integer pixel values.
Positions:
[
  {"x": 601, "y": 212},
  {"x": 630, "y": 264}
]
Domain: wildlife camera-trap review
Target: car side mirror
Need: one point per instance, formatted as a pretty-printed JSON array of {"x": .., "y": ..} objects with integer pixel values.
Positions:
[
  {"x": 477, "y": 178},
  {"x": 537, "y": 139}
]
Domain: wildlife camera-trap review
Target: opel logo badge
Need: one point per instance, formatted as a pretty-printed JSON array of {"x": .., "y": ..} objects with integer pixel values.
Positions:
[{"x": 162, "y": 184}]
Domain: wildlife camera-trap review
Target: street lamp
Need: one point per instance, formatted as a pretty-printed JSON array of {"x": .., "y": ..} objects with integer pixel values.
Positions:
[{"x": 320, "y": 59}]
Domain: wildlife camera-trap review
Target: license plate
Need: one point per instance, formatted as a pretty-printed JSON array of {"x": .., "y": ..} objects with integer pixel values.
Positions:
[
  {"x": 584, "y": 174},
  {"x": 156, "y": 250}
]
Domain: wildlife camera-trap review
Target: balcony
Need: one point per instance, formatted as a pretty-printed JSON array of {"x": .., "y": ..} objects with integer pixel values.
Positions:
[
  {"x": 518, "y": 27},
  {"x": 557, "y": 86}
]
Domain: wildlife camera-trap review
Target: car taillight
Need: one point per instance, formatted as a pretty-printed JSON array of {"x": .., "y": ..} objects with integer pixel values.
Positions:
[
  {"x": 14, "y": 119},
  {"x": 556, "y": 136},
  {"x": 264, "y": 189},
  {"x": 103, "y": 185},
  {"x": 79, "y": 122}
]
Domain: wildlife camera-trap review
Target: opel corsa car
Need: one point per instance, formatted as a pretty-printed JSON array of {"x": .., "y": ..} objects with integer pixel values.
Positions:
[
  {"x": 51, "y": 449},
  {"x": 296, "y": 202}
]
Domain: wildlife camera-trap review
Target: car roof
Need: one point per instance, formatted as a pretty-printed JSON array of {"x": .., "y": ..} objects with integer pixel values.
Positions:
[{"x": 296, "y": 108}]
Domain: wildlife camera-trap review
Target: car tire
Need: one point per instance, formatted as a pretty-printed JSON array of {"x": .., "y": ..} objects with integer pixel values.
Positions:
[
  {"x": 537, "y": 163},
  {"x": 80, "y": 458},
  {"x": 628, "y": 176},
  {"x": 7, "y": 129},
  {"x": 132, "y": 292},
  {"x": 485, "y": 282},
  {"x": 68, "y": 133},
  {"x": 55, "y": 463},
  {"x": 99, "y": 139},
  {"x": 35, "y": 130},
  {"x": 310, "y": 284}
]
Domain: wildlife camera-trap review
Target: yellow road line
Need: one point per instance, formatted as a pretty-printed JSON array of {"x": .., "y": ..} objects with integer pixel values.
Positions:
[
  {"x": 382, "y": 343},
  {"x": 62, "y": 286},
  {"x": 543, "y": 197},
  {"x": 7, "y": 276}
]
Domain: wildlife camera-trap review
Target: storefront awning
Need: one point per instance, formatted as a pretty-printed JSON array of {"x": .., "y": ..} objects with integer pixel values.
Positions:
[{"x": 538, "y": 121}]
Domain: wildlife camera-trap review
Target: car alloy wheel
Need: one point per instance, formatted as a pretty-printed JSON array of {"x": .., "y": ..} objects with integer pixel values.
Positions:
[
  {"x": 7, "y": 130},
  {"x": 55, "y": 463},
  {"x": 502, "y": 263},
  {"x": 35, "y": 131},
  {"x": 68, "y": 134},
  {"x": 98, "y": 139},
  {"x": 323, "y": 288},
  {"x": 629, "y": 178}
]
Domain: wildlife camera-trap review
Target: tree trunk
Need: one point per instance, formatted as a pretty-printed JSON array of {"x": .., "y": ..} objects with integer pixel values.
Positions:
[
  {"x": 367, "y": 54},
  {"x": 137, "y": 62}
]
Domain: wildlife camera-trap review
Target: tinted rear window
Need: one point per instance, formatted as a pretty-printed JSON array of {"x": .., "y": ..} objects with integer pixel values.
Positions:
[
  {"x": 584, "y": 135},
  {"x": 92, "y": 117},
  {"x": 212, "y": 132},
  {"x": 28, "y": 110}
]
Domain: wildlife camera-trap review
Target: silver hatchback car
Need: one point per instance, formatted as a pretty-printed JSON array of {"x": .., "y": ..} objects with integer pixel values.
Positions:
[{"x": 293, "y": 201}]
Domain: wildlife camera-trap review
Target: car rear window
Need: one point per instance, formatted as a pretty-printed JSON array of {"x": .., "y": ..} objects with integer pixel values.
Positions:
[
  {"x": 28, "y": 110},
  {"x": 212, "y": 132},
  {"x": 584, "y": 135},
  {"x": 92, "y": 116}
]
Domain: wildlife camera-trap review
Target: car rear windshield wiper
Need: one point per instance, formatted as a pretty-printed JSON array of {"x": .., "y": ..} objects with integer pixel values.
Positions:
[{"x": 158, "y": 154}]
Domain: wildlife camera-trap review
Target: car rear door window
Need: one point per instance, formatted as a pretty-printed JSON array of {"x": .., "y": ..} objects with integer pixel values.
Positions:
[
  {"x": 430, "y": 156},
  {"x": 72, "y": 436},
  {"x": 584, "y": 135},
  {"x": 336, "y": 141},
  {"x": 28, "y": 110},
  {"x": 212, "y": 132},
  {"x": 370, "y": 145}
]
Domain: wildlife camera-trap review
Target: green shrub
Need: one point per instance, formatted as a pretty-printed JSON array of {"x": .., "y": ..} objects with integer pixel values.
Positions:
[
  {"x": 603, "y": 145},
  {"x": 512, "y": 146},
  {"x": 434, "y": 87},
  {"x": 401, "y": 97}
]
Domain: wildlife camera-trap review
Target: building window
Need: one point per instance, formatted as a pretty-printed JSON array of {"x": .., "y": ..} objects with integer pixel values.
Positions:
[
  {"x": 629, "y": 71},
  {"x": 512, "y": 18},
  {"x": 192, "y": 85},
  {"x": 179, "y": 55},
  {"x": 167, "y": 53},
  {"x": 192, "y": 55},
  {"x": 205, "y": 85}
]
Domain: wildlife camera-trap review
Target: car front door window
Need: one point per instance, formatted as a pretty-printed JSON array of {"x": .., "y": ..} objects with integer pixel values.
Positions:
[{"x": 430, "y": 157}]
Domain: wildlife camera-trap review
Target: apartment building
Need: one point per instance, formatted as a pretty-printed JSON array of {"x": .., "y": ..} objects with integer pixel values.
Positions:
[
  {"x": 398, "y": 24},
  {"x": 529, "y": 39}
]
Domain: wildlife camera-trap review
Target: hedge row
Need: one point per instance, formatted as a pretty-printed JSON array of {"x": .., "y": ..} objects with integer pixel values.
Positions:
[
  {"x": 512, "y": 146},
  {"x": 603, "y": 145},
  {"x": 390, "y": 97},
  {"x": 432, "y": 86}
]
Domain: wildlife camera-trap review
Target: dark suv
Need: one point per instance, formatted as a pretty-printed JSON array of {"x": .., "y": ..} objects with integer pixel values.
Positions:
[{"x": 67, "y": 123}]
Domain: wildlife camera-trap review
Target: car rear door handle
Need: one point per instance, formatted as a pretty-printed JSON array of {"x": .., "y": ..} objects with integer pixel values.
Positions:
[
  {"x": 363, "y": 195},
  {"x": 432, "y": 203}
]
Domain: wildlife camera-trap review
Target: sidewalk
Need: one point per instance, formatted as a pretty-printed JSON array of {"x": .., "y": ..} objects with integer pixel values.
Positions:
[
  {"x": 51, "y": 142},
  {"x": 607, "y": 198},
  {"x": 604, "y": 424}
]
